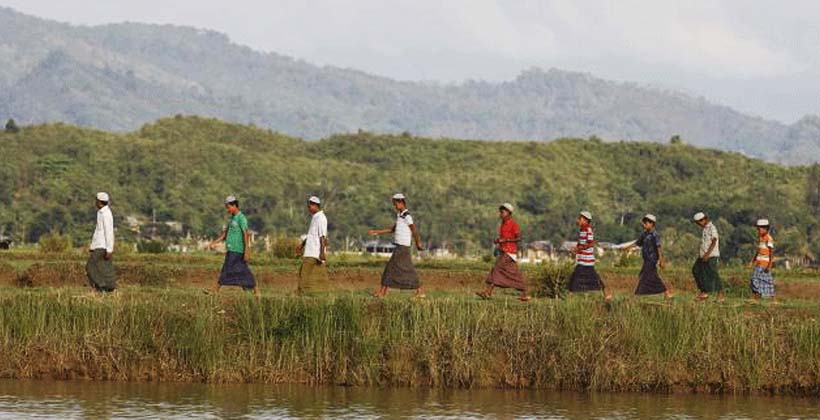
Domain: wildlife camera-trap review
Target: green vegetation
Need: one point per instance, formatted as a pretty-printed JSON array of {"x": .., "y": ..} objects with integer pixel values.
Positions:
[
  {"x": 181, "y": 168},
  {"x": 450, "y": 341}
]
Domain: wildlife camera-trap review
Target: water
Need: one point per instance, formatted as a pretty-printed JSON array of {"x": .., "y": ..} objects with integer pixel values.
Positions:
[{"x": 66, "y": 400}]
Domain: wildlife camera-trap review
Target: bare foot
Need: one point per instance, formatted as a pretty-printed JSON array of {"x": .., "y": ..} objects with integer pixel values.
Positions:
[{"x": 525, "y": 298}]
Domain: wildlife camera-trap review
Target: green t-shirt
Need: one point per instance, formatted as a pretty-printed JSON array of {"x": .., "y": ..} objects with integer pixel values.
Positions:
[{"x": 234, "y": 241}]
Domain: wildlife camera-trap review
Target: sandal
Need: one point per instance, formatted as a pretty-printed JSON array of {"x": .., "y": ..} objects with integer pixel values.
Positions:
[
  {"x": 483, "y": 295},
  {"x": 525, "y": 298}
]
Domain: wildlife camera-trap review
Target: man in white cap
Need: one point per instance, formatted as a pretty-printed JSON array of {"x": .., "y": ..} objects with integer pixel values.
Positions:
[
  {"x": 235, "y": 269},
  {"x": 584, "y": 278},
  {"x": 313, "y": 249},
  {"x": 762, "y": 282},
  {"x": 705, "y": 269},
  {"x": 649, "y": 282},
  {"x": 100, "y": 268},
  {"x": 505, "y": 273},
  {"x": 400, "y": 272}
]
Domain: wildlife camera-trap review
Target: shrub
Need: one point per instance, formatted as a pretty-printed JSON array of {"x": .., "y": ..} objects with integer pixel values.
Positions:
[
  {"x": 552, "y": 278},
  {"x": 54, "y": 243},
  {"x": 284, "y": 247},
  {"x": 151, "y": 247}
]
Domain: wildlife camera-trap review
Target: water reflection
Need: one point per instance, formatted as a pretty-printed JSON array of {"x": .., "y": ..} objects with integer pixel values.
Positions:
[{"x": 47, "y": 399}]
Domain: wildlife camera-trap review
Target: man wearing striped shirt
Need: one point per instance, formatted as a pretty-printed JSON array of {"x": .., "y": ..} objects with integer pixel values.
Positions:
[{"x": 584, "y": 278}]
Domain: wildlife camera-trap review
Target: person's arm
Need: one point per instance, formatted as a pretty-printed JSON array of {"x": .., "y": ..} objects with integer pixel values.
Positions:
[
  {"x": 376, "y": 232},
  {"x": 416, "y": 237},
  {"x": 108, "y": 231},
  {"x": 322, "y": 249},
  {"x": 661, "y": 258},
  {"x": 771, "y": 258},
  {"x": 711, "y": 248},
  {"x": 246, "y": 239},
  {"x": 221, "y": 237},
  {"x": 590, "y": 243}
]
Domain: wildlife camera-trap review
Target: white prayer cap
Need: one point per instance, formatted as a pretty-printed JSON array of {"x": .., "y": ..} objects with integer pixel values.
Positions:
[
  {"x": 762, "y": 223},
  {"x": 651, "y": 218},
  {"x": 230, "y": 199},
  {"x": 315, "y": 200},
  {"x": 587, "y": 215},
  {"x": 507, "y": 206},
  {"x": 398, "y": 196},
  {"x": 699, "y": 216},
  {"x": 103, "y": 196}
]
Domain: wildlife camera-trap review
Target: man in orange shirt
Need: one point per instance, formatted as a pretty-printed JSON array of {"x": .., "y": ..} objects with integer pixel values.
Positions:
[
  {"x": 762, "y": 283},
  {"x": 505, "y": 274}
]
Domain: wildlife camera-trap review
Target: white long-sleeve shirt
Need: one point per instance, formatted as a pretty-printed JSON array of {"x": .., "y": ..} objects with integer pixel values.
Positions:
[{"x": 104, "y": 233}]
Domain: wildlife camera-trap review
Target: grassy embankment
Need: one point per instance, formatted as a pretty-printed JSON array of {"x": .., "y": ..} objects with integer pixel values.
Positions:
[{"x": 171, "y": 332}]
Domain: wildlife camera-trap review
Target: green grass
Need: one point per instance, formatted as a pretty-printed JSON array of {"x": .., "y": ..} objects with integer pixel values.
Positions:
[{"x": 449, "y": 340}]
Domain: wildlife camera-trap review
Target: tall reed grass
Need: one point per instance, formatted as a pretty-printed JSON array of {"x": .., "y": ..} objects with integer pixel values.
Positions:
[{"x": 579, "y": 343}]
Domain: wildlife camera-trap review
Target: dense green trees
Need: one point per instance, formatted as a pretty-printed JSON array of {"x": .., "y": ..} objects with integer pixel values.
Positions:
[{"x": 182, "y": 168}]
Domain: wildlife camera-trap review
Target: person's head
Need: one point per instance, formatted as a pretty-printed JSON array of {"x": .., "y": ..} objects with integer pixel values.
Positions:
[
  {"x": 701, "y": 219},
  {"x": 102, "y": 200},
  {"x": 399, "y": 202},
  {"x": 762, "y": 226},
  {"x": 314, "y": 204},
  {"x": 584, "y": 218},
  {"x": 648, "y": 222},
  {"x": 232, "y": 205},
  {"x": 505, "y": 211}
]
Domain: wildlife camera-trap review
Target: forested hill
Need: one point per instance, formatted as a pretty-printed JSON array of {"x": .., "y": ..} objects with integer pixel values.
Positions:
[
  {"x": 181, "y": 168},
  {"x": 118, "y": 77}
]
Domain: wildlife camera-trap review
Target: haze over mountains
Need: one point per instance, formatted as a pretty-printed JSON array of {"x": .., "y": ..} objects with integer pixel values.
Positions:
[{"x": 121, "y": 76}]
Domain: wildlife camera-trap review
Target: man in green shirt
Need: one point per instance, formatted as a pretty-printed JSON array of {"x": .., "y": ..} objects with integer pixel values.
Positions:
[{"x": 235, "y": 270}]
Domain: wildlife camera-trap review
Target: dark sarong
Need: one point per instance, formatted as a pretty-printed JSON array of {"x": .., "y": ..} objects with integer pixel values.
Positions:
[
  {"x": 100, "y": 272},
  {"x": 762, "y": 283},
  {"x": 311, "y": 274},
  {"x": 585, "y": 279},
  {"x": 505, "y": 274},
  {"x": 235, "y": 272},
  {"x": 650, "y": 282},
  {"x": 706, "y": 275},
  {"x": 400, "y": 272}
]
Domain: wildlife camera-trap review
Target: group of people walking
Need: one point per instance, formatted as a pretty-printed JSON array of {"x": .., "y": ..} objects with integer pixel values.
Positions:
[{"x": 400, "y": 273}]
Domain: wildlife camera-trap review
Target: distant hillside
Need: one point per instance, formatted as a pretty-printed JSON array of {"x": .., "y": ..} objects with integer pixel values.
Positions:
[
  {"x": 181, "y": 168},
  {"x": 118, "y": 77}
]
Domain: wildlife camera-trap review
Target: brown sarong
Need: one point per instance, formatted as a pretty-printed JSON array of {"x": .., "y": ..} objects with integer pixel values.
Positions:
[
  {"x": 311, "y": 275},
  {"x": 505, "y": 274},
  {"x": 400, "y": 272}
]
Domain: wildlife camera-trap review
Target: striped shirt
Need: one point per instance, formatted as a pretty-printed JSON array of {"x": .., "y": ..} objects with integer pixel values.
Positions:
[
  {"x": 764, "y": 250},
  {"x": 586, "y": 256}
]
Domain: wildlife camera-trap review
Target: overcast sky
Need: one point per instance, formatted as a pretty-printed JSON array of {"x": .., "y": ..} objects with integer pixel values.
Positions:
[{"x": 761, "y": 57}]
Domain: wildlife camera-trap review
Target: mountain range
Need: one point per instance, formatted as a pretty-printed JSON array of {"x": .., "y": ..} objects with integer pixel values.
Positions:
[{"x": 121, "y": 76}]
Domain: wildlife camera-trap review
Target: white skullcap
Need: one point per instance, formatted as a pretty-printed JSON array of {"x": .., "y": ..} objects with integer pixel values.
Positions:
[
  {"x": 230, "y": 199},
  {"x": 102, "y": 196},
  {"x": 651, "y": 218},
  {"x": 398, "y": 196},
  {"x": 699, "y": 216},
  {"x": 315, "y": 200},
  {"x": 762, "y": 223},
  {"x": 507, "y": 206},
  {"x": 587, "y": 215}
]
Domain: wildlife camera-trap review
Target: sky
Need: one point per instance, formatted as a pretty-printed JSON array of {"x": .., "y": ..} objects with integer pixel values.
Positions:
[{"x": 761, "y": 57}]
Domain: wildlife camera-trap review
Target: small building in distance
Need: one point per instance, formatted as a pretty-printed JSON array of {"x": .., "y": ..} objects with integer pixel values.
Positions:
[{"x": 378, "y": 248}]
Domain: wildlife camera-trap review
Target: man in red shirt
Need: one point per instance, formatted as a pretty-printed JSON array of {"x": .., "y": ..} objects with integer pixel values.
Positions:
[{"x": 505, "y": 274}]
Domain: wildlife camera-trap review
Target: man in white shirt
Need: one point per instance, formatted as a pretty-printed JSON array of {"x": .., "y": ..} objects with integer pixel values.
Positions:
[
  {"x": 100, "y": 269},
  {"x": 705, "y": 269},
  {"x": 400, "y": 272},
  {"x": 313, "y": 249}
]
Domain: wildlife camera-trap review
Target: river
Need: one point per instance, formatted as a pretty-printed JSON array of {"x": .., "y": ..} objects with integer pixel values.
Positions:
[{"x": 66, "y": 400}]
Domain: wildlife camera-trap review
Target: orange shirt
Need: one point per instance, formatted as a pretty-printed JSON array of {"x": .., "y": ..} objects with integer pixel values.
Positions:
[
  {"x": 764, "y": 250},
  {"x": 509, "y": 230}
]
